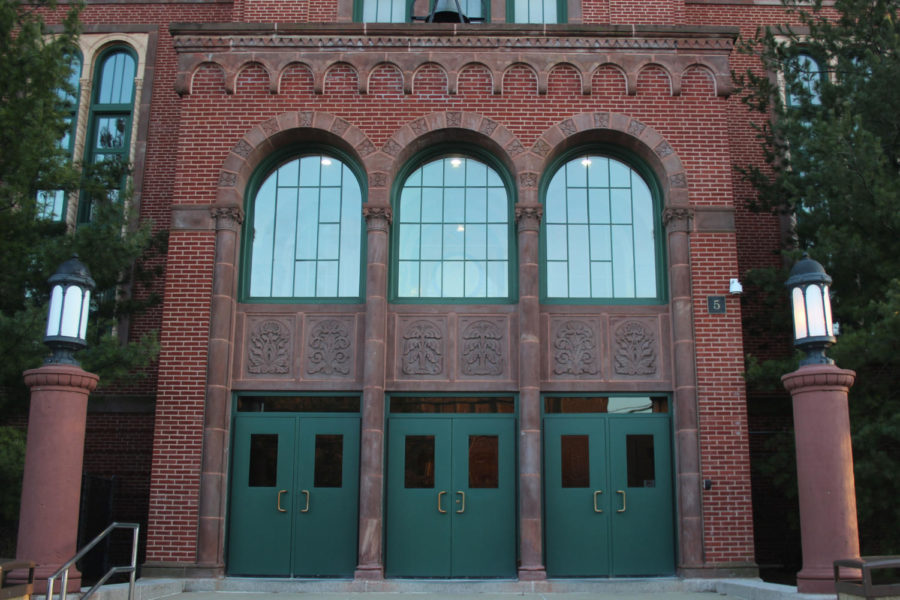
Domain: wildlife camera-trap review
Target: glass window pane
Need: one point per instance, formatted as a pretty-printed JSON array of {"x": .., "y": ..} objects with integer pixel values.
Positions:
[
  {"x": 330, "y": 205},
  {"x": 409, "y": 242},
  {"x": 430, "y": 279},
  {"x": 576, "y": 174},
  {"x": 418, "y": 466},
  {"x": 497, "y": 242},
  {"x": 557, "y": 242},
  {"x": 309, "y": 171},
  {"x": 641, "y": 470},
  {"x": 498, "y": 279},
  {"x": 575, "y": 465},
  {"x": 600, "y": 243},
  {"x": 116, "y": 79},
  {"x": 623, "y": 261},
  {"x": 557, "y": 280},
  {"x": 263, "y": 463},
  {"x": 484, "y": 461},
  {"x": 432, "y": 242},
  {"x": 327, "y": 278},
  {"x": 410, "y": 202},
  {"x": 329, "y": 242},
  {"x": 453, "y": 279},
  {"x": 476, "y": 172},
  {"x": 288, "y": 174},
  {"x": 432, "y": 204},
  {"x": 476, "y": 279},
  {"x": 454, "y": 205},
  {"x": 332, "y": 171},
  {"x": 598, "y": 205},
  {"x": 579, "y": 263},
  {"x": 454, "y": 242},
  {"x": 329, "y": 461},
  {"x": 601, "y": 280},
  {"x": 555, "y": 202},
  {"x": 498, "y": 209},
  {"x": 308, "y": 226},
  {"x": 476, "y": 242},
  {"x": 476, "y": 205},
  {"x": 408, "y": 279},
  {"x": 619, "y": 174},
  {"x": 304, "y": 279},
  {"x": 576, "y": 206}
]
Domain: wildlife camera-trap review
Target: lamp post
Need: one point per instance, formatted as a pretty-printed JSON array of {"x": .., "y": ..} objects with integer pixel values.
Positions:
[
  {"x": 827, "y": 498},
  {"x": 51, "y": 486}
]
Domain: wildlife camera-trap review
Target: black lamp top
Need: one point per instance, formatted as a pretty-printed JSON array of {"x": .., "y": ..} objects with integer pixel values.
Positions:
[
  {"x": 806, "y": 270},
  {"x": 73, "y": 271}
]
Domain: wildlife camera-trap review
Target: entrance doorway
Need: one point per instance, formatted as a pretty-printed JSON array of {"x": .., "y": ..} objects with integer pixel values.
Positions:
[
  {"x": 294, "y": 490},
  {"x": 608, "y": 487},
  {"x": 451, "y": 508}
]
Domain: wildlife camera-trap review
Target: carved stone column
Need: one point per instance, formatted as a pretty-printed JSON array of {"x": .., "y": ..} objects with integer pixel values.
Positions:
[
  {"x": 678, "y": 223},
  {"x": 371, "y": 471},
  {"x": 528, "y": 219},
  {"x": 216, "y": 418}
]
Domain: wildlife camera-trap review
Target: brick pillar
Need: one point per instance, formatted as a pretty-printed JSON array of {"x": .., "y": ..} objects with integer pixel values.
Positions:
[
  {"x": 528, "y": 219},
  {"x": 825, "y": 485},
  {"x": 51, "y": 487},
  {"x": 217, "y": 413},
  {"x": 371, "y": 472},
  {"x": 678, "y": 222}
]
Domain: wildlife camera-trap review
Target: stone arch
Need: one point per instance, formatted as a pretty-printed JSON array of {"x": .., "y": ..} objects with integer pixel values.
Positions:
[
  {"x": 287, "y": 128},
  {"x": 204, "y": 67},
  {"x": 621, "y": 130},
  {"x": 606, "y": 69},
  {"x": 425, "y": 67},
  {"x": 512, "y": 68},
  {"x": 375, "y": 70},
  {"x": 559, "y": 68},
  {"x": 702, "y": 69},
  {"x": 231, "y": 85},
  {"x": 650, "y": 67},
  {"x": 290, "y": 66},
  {"x": 329, "y": 70},
  {"x": 479, "y": 67}
]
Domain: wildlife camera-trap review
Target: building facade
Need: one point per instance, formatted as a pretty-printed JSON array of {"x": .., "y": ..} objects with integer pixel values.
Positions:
[{"x": 441, "y": 299}]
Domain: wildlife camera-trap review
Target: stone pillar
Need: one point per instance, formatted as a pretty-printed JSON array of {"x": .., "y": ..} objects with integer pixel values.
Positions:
[
  {"x": 528, "y": 219},
  {"x": 217, "y": 413},
  {"x": 371, "y": 471},
  {"x": 828, "y": 528},
  {"x": 678, "y": 223},
  {"x": 51, "y": 487}
]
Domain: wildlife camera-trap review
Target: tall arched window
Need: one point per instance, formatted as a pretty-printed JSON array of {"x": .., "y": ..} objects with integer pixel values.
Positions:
[
  {"x": 51, "y": 204},
  {"x": 808, "y": 75},
  {"x": 599, "y": 233},
  {"x": 304, "y": 231},
  {"x": 452, "y": 234},
  {"x": 112, "y": 105}
]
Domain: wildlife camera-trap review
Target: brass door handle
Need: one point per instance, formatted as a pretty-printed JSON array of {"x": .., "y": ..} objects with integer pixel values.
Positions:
[
  {"x": 306, "y": 493},
  {"x": 463, "y": 507},
  {"x": 597, "y": 509},
  {"x": 441, "y": 510},
  {"x": 278, "y": 501},
  {"x": 621, "y": 510}
]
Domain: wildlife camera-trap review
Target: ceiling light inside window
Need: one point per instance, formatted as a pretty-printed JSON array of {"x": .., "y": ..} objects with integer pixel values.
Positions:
[
  {"x": 455, "y": 162},
  {"x": 585, "y": 162},
  {"x": 326, "y": 162}
]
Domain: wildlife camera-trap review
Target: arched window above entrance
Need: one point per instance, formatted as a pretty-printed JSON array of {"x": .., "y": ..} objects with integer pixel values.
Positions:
[
  {"x": 600, "y": 237},
  {"x": 303, "y": 240},
  {"x": 452, "y": 235}
]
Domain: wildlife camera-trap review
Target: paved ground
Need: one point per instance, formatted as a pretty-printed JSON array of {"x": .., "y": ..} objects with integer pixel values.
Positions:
[{"x": 454, "y": 596}]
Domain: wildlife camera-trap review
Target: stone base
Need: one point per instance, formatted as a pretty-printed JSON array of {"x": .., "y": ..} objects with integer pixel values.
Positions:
[
  {"x": 532, "y": 573},
  {"x": 175, "y": 570},
  {"x": 721, "y": 571},
  {"x": 369, "y": 573}
]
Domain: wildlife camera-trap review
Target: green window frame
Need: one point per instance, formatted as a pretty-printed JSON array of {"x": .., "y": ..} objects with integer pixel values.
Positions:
[
  {"x": 601, "y": 239},
  {"x": 110, "y": 121},
  {"x": 51, "y": 204},
  {"x": 452, "y": 235},
  {"x": 304, "y": 234},
  {"x": 537, "y": 11},
  {"x": 808, "y": 75}
]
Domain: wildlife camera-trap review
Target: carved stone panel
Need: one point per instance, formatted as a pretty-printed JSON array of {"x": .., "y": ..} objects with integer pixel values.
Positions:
[
  {"x": 483, "y": 346},
  {"x": 329, "y": 347},
  {"x": 575, "y": 348},
  {"x": 634, "y": 346},
  {"x": 422, "y": 347},
  {"x": 269, "y": 348}
]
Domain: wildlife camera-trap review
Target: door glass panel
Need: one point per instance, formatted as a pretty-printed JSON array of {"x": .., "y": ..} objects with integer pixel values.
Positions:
[
  {"x": 605, "y": 404},
  {"x": 575, "y": 467},
  {"x": 419, "y": 462},
  {"x": 298, "y": 404},
  {"x": 329, "y": 461},
  {"x": 641, "y": 471},
  {"x": 452, "y": 404},
  {"x": 263, "y": 459},
  {"x": 484, "y": 459}
]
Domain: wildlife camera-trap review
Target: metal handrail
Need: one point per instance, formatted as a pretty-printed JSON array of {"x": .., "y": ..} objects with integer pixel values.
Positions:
[{"x": 64, "y": 570}]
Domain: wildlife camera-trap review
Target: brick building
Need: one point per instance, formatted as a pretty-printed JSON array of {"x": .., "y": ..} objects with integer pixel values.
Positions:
[{"x": 442, "y": 299}]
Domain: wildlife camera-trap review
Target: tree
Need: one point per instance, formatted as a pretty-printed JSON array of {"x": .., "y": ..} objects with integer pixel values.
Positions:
[
  {"x": 828, "y": 106},
  {"x": 34, "y": 68}
]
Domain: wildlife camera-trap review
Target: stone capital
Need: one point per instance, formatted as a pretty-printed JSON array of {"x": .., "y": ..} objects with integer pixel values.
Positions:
[
  {"x": 819, "y": 377},
  {"x": 528, "y": 216},
  {"x": 61, "y": 377},
  {"x": 378, "y": 216},
  {"x": 227, "y": 217},
  {"x": 678, "y": 218}
]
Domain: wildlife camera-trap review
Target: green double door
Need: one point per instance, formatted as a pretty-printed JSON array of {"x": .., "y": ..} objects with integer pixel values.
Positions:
[
  {"x": 451, "y": 508},
  {"x": 294, "y": 496},
  {"x": 608, "y": 495}
]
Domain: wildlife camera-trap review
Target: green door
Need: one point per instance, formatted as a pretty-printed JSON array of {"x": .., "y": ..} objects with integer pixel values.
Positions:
[
  {"x": 608, "y": 495},
  {"x": 450, "y": 498},
  {"x": 294, "y": 496}
]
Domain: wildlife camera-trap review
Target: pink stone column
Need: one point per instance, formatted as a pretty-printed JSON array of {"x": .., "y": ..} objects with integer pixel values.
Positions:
[
  {"x": 528, "y": 218},
  {"x": 51, "y": 488},
  {"x": 371, "y": 472},
  {"x": 828, "y": 527}
]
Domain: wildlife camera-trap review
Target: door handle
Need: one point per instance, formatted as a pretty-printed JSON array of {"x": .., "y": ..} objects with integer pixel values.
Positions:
[
  {"x": 463, "y": 507},
  {"x": 278, "y": 501},
  {"x": 441, "y": 510},
  {"x": 621, "y": 510},
  {"x": 597, "y": 509},
  {"x": 305, "y": 493}
]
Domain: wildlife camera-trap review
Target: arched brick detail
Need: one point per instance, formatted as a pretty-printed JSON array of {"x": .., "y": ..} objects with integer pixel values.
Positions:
[
  {"x": 614, "y": 128},
  {"x": 450, "y": 126},
  {"x": 649, "y": 67},
  {"x": 270, "y": 135}
]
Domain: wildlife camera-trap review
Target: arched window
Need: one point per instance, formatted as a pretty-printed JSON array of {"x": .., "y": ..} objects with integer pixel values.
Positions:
[
  {"x": 452, "y": 234},
  {"x": 303, "y": 236},
  {"x": 51, "y": 204},
  {"x": 599, "y": 233},
  {"x": 112, "y": 105},
  {"x": 536, "y": 11},
  {"x": 806, "y": 77}
]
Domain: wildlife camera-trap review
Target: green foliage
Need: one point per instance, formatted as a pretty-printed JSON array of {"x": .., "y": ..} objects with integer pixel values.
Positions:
[
  {"x": 831, "y": 141},
  {"x": 121, "y": 255}
]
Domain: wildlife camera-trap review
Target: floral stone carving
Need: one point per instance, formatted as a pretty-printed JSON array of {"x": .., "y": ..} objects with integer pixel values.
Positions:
[
  {"x": 635, "y": 350},
  {"x": 269, "y": 349},
  {"x": 482, "y": 349},
  {"x": 574, "y": 349},
  {"x": 329, "y": 348},
  {"x": 422, "y": 349}
]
